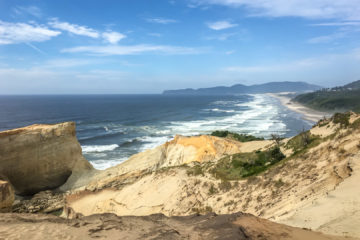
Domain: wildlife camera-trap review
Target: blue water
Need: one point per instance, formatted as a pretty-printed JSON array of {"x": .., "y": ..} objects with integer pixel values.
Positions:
[{"x": 110, "y": 128}]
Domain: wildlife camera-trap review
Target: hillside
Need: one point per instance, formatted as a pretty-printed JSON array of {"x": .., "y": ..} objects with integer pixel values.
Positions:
[
  {"x": 308, "y": 181},
  {"x": 271, "y": 87},
  {"x": 344, "y": 98}
]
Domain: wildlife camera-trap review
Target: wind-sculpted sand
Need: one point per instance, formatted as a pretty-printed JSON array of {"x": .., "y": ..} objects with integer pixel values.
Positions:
[
  {"x": 289, "y": 193},
  {"x": 315, "y": 188}
]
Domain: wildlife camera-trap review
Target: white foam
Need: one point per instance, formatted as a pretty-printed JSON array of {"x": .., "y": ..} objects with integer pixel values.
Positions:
[
  {"x": 152, "y": 142},
  {"x": 98, "y": 148},
  {"x": 260, "y": 119},
  {"x": 222, "y": 110},
  {"x": 104, "y": 164}
]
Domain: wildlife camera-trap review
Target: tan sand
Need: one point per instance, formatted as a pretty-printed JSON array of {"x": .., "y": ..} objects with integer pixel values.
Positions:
[{"x": 308, "y": 113}]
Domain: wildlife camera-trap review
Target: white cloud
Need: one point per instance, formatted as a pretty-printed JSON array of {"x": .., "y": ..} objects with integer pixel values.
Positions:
[
  {"x": 74, "y": 28},
  {"x": 220, "y": 25},
  {"x": 113, "y": 37},
  {"x": 131, "y": 50},
  {"x": 11, "y": 33},
  {"x": 161, "y": 20},
  {"x": 313, "y": 9},
  {"x": 29, "y": 10},
  {"x": 327, "y": 38},
  {"x": 337, "y": 24},
  {"x": 68, "y": 63}
]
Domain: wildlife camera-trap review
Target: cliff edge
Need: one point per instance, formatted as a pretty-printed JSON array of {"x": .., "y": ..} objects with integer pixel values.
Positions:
[{"x": 40, "y": 157}]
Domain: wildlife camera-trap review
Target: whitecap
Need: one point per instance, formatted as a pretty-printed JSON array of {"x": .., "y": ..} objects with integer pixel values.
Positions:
[
  {"x": 98, "y": 148},
  {"x": 104, "y": 164}
]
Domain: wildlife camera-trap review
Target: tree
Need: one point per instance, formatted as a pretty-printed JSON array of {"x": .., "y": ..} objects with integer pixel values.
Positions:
[{"x": 276, "y": 138}]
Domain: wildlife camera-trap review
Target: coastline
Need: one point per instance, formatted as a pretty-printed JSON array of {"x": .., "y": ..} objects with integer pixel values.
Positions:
[{"x": 307, "y": 113}]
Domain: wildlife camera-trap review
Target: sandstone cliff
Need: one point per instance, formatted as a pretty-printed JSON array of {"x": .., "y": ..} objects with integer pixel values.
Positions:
[
  {"x": 306, "y": 182},
  {"x": 315, "y": 186},
  {"x": 40, "y": 157}
]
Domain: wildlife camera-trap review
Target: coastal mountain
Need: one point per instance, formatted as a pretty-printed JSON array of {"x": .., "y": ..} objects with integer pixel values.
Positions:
[
  {"x": 342, "y": 98},
  {"x": 271, "y": 87}
]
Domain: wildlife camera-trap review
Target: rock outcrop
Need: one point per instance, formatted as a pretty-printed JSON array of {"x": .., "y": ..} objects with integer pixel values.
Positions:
[
  {"x": 181, "y": 150},
  {"x": 7, "y": 196},
  {"x": 40, "y": 157},
  {"x": 237, "y": 226}
]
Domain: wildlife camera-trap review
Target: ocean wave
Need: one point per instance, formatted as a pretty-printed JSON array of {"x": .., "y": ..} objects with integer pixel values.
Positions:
[
  {"x": 221, "y": 110},
  {"x": 102, "y": 136},
  {"x": 104, "y": 164},
  {"x": 260, "y": 118},
  {"x": 130, "y": 142},
  {"x": 98, "y": 148},
  {"x": 152, "y": 142}
]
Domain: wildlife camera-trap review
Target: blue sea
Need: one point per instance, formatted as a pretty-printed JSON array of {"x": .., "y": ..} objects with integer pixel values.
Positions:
[{"x": 110, "y": 128}]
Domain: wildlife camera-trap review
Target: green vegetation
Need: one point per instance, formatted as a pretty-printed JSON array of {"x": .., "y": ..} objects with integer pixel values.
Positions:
[
  {"x": 342, "y": 118},
  {"x": 248, "y": 165},
  {"x": 302, "y": 142},
  {"x": 195, "y": 171},
  {"x": 224, "y": 186},
  {"x": 236, "y": 136},
  {"x": 356, "y": 124},
  {"x": 243, "y": 165},
  {"x": 344, "y": 98}
]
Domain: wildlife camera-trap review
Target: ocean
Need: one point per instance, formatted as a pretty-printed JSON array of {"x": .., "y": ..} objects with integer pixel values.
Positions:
[{"x": 111, "y": 128}]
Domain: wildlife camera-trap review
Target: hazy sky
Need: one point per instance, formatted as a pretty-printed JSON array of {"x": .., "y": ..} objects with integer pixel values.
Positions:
[{"x": 133, "y": 46}]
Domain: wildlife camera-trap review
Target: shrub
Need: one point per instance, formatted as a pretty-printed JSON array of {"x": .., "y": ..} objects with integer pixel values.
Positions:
[
  {"x": 356, "y": 124},
  {"x": 195, "y": 171},
  {"x": 220, "y": 133},
  {"x": 342, "y": 119},
  {"x": 243, "y": 165},
  {"x": 212, "y": 190},
  {"x": 236, "y": 136},
  {"x": 224, "y": 186}
]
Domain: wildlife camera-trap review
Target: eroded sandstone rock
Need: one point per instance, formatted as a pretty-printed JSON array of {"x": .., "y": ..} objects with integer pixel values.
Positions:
[
  {"x": 40, "y": 157},
  {"x": 7, "y": 196}
]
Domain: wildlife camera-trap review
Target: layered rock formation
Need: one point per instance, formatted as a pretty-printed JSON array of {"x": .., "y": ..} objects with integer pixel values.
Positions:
[
  {"x": 179, "y": 151},
  {"x": 7, "y": 196},
  {"x": 40, "y": 157},
  {"x": 109, "y": 226}
]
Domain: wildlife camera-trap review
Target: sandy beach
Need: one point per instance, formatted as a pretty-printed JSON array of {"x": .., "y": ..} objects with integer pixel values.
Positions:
[{"x": 308, "y": 113}]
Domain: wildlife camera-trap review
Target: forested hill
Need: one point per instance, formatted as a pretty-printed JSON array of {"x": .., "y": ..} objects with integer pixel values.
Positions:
[
  {"x": 271, "y": 87},
  {"x": 342, "y": 98}
]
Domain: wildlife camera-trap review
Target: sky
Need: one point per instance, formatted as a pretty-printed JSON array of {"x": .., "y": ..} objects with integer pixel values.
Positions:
[{"x": 147, "y": 46}]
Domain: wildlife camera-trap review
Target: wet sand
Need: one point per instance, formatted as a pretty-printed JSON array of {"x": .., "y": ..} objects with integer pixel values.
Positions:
[{"x": 308, "y": 113}]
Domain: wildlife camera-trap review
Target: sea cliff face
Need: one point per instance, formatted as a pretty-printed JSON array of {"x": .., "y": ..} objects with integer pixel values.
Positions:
[
  {"x": 183, "y": 177},
  {"x": 178, "y": 178},
  {"x": 40, "y": 157}
]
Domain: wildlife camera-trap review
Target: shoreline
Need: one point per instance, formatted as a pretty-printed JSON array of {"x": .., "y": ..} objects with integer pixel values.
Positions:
[{"x": 306, "y": 112}]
